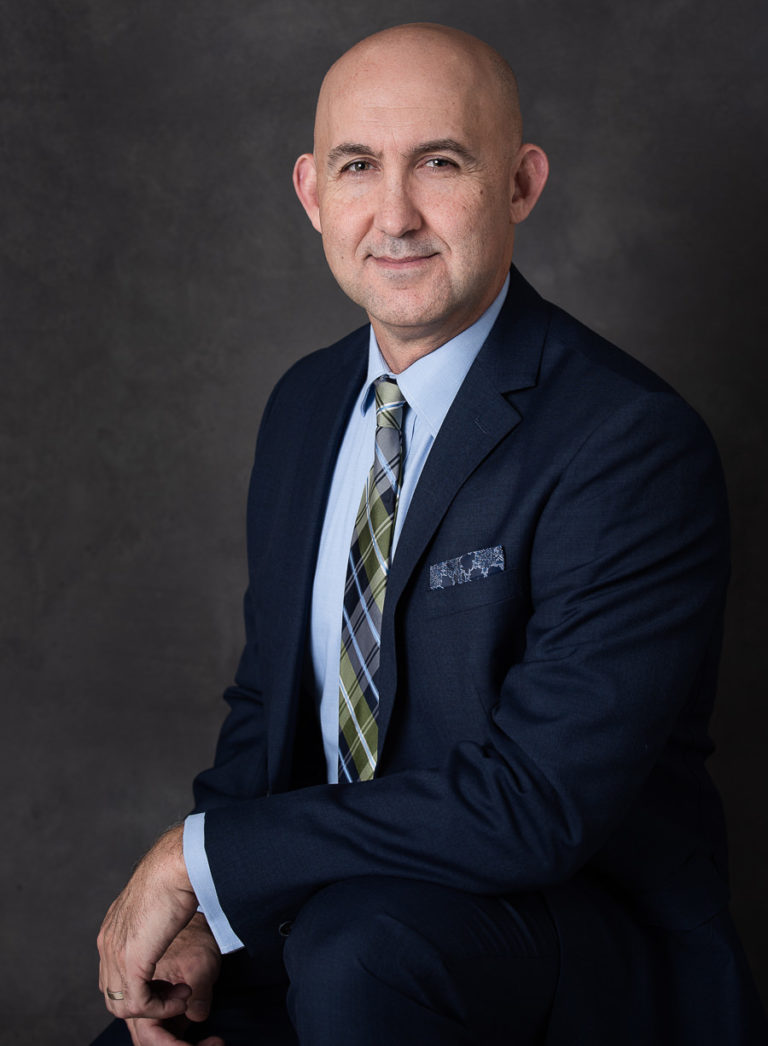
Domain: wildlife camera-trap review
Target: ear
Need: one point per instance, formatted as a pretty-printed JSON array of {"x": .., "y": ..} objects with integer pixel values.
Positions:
[
  {"x": 530, "y": 176},
  {"x": 305, "y": 184}
]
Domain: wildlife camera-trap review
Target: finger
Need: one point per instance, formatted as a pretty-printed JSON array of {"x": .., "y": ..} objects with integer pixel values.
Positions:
[
  {"x": 199, "y": 1003},
  {"x": 200, "y": 983},
  {"x": 161, "y": 1001},
  {"x": 154, "y": 1033},
  {"x": 198, "y": 1009},
  {"x": 145, "y": 997},
  {"x": 111, "y": 983},
  {"x": 111, "y": 980},
  {"x": 151, "y": 1033},
  {"x": 108, "y": 981},
  {"x": 111, "y": 988},
  {"x": 199, "y": 969},
  {"x": 158, "y": 1000}
]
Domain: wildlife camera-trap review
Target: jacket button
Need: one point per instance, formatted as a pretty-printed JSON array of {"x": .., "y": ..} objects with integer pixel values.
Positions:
[{"x": 285, "y": 928}]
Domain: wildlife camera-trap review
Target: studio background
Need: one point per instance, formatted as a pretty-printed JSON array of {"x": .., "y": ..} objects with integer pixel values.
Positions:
[{"x": 158, "y": 276}]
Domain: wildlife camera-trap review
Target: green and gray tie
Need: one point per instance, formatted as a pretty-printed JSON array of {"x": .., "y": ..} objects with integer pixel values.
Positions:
[{"x": 366, "y": 586}]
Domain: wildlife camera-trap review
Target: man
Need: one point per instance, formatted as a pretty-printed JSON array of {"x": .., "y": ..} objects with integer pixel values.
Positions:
[{"x": 462, "y": 777}]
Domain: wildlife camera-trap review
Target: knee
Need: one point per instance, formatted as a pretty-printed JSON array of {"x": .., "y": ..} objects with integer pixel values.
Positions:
[
  {"x": 340, "y": 935},
  {"x": 347, "y": 947},
  {"x": 389, "y": 960}
]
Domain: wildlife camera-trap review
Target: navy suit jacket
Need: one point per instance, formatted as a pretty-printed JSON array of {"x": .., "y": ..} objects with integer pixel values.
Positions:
[{"x": 542, "y": 728}]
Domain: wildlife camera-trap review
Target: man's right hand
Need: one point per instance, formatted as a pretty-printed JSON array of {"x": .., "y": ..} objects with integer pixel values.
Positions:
[{"x": 193, "y": 958}]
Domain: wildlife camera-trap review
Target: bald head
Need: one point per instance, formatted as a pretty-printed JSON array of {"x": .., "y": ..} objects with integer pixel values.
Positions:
[
  {"x": 417, "y": 181},
  {"x": 409, "y": 49}
]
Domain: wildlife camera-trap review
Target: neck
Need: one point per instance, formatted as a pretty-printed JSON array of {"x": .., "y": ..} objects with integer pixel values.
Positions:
[{"x": 400, "y": 353}]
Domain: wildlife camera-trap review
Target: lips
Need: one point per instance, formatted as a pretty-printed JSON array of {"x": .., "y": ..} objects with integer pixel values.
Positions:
[
  {"x": 407, "y": 261},
  {"x": 403, "y": 261}
]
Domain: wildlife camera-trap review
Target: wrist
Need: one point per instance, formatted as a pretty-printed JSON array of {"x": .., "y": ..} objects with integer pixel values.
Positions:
[{"x": 166, "y": 861}]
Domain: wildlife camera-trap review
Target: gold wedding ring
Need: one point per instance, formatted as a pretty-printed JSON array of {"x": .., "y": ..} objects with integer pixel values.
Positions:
[{"x": 115, "y": 996}]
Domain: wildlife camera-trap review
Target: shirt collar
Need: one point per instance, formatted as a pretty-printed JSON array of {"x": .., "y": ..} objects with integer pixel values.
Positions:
[{"x": 431, "y": 383}]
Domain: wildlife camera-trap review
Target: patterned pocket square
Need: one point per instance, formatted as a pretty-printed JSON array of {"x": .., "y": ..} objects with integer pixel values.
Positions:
[{"x": 469, "y": 567}]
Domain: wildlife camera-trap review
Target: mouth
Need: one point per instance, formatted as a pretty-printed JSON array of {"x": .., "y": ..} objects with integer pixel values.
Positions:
[{"x": 402, "y": 263}]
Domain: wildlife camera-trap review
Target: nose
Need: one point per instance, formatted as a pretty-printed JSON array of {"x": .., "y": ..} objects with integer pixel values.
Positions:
[{"x": 396, "y": 210}]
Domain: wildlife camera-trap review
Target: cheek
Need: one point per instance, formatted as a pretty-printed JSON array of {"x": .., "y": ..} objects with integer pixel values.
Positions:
[
  {"x": 461, "y": 220},
  {"x": 484, "y": 230},
  {"x": 469, "y": 236},
  {"x": 343, "y": 226}
]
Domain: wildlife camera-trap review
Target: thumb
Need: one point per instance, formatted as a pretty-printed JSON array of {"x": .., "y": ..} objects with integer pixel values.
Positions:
[{"x": 199, "y": 1003}]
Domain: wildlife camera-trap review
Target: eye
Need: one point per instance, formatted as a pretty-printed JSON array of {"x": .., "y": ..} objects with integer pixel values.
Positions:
[
  {"x": 438, "y": 163},
  {"x": 357, "y": 166}
]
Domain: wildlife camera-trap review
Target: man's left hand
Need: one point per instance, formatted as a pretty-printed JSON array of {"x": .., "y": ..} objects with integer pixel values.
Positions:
[{"x": 156, "y": 904}]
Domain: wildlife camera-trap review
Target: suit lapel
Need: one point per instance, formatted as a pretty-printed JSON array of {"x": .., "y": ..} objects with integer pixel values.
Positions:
[
  {"x": 479, "y": 418},
  {"x": 329, "y": 403}
]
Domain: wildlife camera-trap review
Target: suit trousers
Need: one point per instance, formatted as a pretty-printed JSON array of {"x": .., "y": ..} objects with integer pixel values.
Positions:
[{"x": 378, "y": 960}]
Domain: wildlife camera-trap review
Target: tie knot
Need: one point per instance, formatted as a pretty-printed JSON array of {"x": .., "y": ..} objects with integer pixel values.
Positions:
[{"x": 389, "y": 404}]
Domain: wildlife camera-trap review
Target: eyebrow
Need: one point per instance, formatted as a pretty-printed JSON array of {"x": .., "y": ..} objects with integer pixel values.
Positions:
[{"x": 438, "y": 145}]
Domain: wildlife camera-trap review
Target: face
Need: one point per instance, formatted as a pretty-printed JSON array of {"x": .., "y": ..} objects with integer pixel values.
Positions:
[{"x": 413, "y": 186}]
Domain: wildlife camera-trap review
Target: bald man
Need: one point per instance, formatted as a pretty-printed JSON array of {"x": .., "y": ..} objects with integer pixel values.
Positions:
[{"x": 460, "y": 796}]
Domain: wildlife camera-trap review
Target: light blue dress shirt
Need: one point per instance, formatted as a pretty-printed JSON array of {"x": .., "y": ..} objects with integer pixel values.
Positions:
[{"x": 429, "y": 386}]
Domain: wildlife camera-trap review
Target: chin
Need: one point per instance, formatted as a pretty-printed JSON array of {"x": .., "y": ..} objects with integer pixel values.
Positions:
[{"x": 424, "y": 307}]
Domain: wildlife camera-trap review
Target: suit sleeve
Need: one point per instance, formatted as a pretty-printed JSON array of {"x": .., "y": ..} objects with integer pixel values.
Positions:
[
  {"x": 240, "y": 764},
  {"x": 628, "y": 570}
]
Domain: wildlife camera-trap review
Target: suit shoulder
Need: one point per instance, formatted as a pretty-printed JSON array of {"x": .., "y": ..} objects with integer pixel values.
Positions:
[
  {"x": 596, "y": 353},
  {"x": 607, "y": 377},
  {"x": 536, "y": 347},
  {"x": 333, "y": 368},
  {"x": 342, "y": 355},
  {"x": 589, "y": 396}
]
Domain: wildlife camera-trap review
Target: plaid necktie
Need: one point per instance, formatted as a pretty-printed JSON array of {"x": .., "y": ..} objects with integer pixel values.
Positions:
[{"x": 365, "y": 589}]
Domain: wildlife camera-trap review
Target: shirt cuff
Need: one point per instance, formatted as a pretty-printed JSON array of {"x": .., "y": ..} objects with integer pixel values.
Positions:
[{"x": 200, "y": 877}]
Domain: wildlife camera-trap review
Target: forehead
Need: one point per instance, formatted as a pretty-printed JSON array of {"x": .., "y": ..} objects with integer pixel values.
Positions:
[{"x": 437, "y": 97}]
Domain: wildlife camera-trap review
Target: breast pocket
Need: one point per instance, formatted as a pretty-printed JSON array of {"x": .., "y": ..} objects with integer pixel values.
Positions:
[{"x": 495, "y": 588}]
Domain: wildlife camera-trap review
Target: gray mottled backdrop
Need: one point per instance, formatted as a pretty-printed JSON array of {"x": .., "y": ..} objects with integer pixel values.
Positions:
[{"x": 158, "y": 276}]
